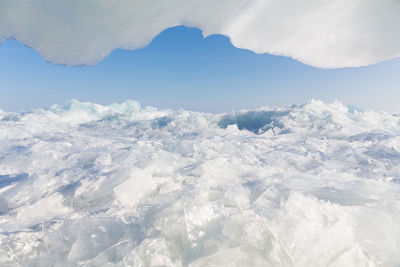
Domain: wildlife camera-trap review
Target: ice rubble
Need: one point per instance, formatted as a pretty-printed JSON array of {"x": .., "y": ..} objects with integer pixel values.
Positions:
[
  {"x": 329, "y": 34},
  {"x": 308, "y": 185}
]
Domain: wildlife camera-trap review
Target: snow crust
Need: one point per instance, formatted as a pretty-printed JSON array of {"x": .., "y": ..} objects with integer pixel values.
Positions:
[
  {"x": 308, "y": 185},
  {"x": 328, "y": 34}
]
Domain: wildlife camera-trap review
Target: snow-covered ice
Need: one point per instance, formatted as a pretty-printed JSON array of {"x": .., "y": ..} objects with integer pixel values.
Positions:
[
  {"x": 306, "y": 185},
  {"x": 328, "y": 34}
]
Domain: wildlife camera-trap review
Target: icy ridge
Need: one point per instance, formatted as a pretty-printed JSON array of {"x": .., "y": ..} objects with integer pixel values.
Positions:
[{"x": 123, "y": 185}]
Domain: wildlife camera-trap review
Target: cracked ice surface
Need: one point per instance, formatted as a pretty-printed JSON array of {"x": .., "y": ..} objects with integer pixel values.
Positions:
[{"x": 308, "y": 185}]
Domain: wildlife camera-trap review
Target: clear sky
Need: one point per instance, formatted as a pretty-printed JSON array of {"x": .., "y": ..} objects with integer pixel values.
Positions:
[{"x": 181, "y": 69}]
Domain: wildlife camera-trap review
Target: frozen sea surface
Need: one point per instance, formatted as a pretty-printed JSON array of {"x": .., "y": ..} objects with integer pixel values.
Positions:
[{"x": 308, "y": 185}]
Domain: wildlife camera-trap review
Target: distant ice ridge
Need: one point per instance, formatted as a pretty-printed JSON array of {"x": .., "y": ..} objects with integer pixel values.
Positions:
[
  {"x": 327, "y": 34},
  {"x": 308, "y": 185}
]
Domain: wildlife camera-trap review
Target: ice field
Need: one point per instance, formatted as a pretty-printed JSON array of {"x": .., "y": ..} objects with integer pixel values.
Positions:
[{"x": 83, "y": 184}]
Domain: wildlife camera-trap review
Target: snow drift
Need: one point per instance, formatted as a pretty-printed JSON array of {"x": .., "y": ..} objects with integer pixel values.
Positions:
[
  {"x": 89, "y": 185},
  {"x": 328, "y": 34}
]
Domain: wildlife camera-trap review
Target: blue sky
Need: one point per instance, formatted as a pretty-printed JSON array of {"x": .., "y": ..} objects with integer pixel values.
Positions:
[{"x": 181, "y": 69}]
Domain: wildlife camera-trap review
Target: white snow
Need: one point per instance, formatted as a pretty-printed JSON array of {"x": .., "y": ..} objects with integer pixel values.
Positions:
[
  {"x": 328, "y": 34},
  {"x": 306, "y": 185}
]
